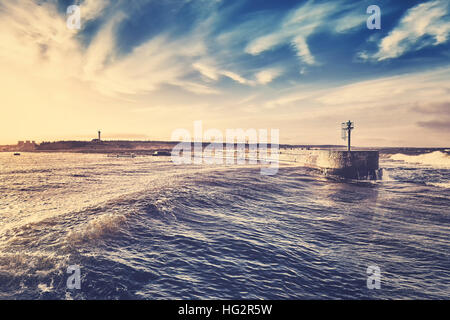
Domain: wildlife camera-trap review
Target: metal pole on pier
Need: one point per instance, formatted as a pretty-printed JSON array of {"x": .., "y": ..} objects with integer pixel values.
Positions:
[
  {"x": 349, "y": 135},
  {"x": 347, "y": 128}
]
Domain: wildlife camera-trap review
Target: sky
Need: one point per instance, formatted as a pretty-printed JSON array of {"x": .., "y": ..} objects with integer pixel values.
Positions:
[{"x": 139, "y": 70}]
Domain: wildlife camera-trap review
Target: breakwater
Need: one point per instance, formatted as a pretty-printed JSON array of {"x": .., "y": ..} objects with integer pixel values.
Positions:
[{"x": 362, "y": 165}]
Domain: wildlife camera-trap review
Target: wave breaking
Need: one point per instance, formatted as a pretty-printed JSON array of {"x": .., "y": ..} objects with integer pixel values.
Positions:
[{"x": 435, "y": 159}]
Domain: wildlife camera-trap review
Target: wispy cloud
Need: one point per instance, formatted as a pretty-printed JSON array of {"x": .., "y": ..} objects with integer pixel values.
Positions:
[
  {"x": 210, "y": 72},
  {"x": 295, "y": 29},
  {"x": 37, "y": 35},
  {"x": 299, "y": 24},
  {"x": 92, "y": 8},
  {"x": 268, "y": 75},
  {"x": 350, "y": 22},
  {"x": 426, "y": 24},
  {"x": 213, "y": 73},
  {"x": 303, "y": 50},
  {"x": 207, "y": 70}
]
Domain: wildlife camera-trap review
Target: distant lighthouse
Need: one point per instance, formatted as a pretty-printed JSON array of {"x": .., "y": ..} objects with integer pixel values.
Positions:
[{"x": 99, "y": 137}]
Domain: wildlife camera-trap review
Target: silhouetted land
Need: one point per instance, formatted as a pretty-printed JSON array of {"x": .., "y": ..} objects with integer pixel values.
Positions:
[
  {"x": 148, "y": 147},
  {"x": 117, "y": 146}
]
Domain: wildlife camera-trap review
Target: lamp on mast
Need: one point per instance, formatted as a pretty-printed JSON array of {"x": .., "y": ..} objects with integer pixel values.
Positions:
[{"x": 346, "y": 129}]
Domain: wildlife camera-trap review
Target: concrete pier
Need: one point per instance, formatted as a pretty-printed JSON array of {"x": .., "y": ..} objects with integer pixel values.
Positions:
[{"x": 348, "y": 164}]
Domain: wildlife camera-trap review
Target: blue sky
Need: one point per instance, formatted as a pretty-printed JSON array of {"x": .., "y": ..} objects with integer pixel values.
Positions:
[
  {"x": 141, "y": 69},
  {"x": 334, "y": 31}
]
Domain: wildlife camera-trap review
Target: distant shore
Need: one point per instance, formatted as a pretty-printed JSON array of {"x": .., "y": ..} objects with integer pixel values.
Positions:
[
  {"x": 149, "y": 147},
  {"x": 115, "y": 146}
]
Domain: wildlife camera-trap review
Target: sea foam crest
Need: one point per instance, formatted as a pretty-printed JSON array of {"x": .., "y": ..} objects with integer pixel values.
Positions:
[
  {"x": 97, "y": 228},
  {"x": 435, "y": 159}
]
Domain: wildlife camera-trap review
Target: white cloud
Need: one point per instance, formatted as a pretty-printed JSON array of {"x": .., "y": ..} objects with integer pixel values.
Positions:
[
  {"x": 268, "y": 75},
  {"x": 206, "y": 70},
  {"x": 296, "y": 27},
  {"x": 350, "y": 22},
  {"x": 265, "y": 43},
  {"x": 212, "y": 72},
  {"x": 303, "y": 50},
  {"x": 196, "y": 88},
  {"x": 91, "y": 9},
  {"x": 426, "y": 24},
  {"x": 234, "y": 76},
  {"x": 36, "y": 36}
]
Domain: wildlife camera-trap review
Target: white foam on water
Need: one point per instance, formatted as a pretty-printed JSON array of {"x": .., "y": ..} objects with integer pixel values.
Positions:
[
  {"x": 44, "y": 288},
  {"x": 436, "y": 159},
  {"x": 445, "y": 185},
  {"x": 97, "y": 227}
]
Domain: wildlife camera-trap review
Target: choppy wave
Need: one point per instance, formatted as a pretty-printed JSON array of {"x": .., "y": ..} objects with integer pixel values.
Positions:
[
  {"x": 436, "y": 158},
  {"x": 151, "y": 230},
  {"x": 97, "y": 228}
]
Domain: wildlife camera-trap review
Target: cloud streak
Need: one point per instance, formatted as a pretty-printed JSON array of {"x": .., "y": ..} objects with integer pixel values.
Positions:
[
  {"x": 426, "y": 24},
  {"x": 294, "y": 30}
]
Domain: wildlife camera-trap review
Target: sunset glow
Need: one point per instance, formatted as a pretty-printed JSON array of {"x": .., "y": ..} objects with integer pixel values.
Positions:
[{"x": 140, "y": 71}]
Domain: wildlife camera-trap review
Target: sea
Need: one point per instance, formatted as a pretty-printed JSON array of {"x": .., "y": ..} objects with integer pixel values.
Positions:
[{"x": 145, "y": 228}]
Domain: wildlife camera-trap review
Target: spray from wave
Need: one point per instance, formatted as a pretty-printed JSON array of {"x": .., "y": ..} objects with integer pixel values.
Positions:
[
  {"x": 435, "y": 159},
  {"x": 97, "y": 228}
]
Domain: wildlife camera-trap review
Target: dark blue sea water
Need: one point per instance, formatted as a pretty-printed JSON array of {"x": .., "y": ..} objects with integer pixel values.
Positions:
[{"x": 143, "y": 228}]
